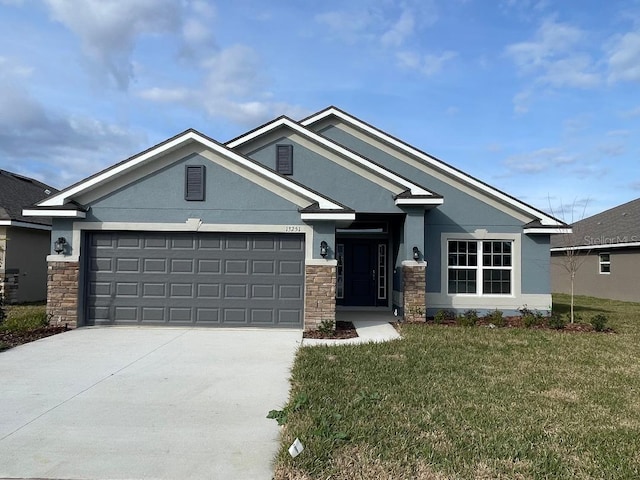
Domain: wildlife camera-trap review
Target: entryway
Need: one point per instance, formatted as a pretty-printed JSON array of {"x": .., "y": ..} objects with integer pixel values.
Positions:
[{"x": 362, "y": 272}]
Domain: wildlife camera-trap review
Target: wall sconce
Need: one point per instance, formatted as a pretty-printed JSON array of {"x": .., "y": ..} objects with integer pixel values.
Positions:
[
  {"x": 323, "y": 249},
  {"x": 416, "y": 254},
  {"x": 59, "y": 245}
]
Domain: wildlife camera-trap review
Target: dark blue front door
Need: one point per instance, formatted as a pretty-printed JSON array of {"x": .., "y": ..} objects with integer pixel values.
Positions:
[{"x": 360, "y": 272}]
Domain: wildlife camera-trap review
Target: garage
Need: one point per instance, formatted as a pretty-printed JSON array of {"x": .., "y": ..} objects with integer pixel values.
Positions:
[{"x": 201, "y": 279}]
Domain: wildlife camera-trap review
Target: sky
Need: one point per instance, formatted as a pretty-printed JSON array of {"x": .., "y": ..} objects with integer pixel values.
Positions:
[{"x": 538, "y": 98}]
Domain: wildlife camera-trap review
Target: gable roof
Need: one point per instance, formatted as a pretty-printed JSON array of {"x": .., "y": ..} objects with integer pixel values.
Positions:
[
  {"x": 614, "y": 228},
  {"x": 62, "y": 204},
  {"x": 18, "y": 192},
  {"x": 546, "y": 223},
  {"x": 413, "y": 193}
]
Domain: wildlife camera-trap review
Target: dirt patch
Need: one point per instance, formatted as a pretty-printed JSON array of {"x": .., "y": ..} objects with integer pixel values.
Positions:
[
  {"x": 13, "y": 339},
  {"x": 343, "y": 330},
  {"x": 514, "y": 322}
]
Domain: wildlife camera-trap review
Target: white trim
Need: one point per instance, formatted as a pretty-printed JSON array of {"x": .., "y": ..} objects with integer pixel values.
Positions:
[
  {"x": 62, "y": 198},
  {"x": 356, "y": 158},
  {"x": 14, "y": 223},
  {"x": 321, "y": 262},
  {"x": 54, "y": 213},
  {"x": 195, "y": 225},
  {"x": 528, "y": 231},
  {"x": 545, "y": 220},
  {"x": 606, "y": 246},
  {"x": 63, "y": 258},
  {"x": 438, "y": 301},
  {"x": 327, "y": 216},
  {"x": 413, "y": 263},
  {"x": 419, "y": 201}
]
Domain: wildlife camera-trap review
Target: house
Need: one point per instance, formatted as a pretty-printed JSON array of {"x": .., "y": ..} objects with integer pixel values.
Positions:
[
  {"x": 285, "y": 225},
  {"x": 24, "y": 241},
  {"x": 605, "y": 249}
]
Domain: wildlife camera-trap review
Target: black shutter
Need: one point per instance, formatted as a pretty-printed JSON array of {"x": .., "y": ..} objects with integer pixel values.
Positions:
[
  {"x": 284, "y": 159},
  {"x": 194, "y": 183}
]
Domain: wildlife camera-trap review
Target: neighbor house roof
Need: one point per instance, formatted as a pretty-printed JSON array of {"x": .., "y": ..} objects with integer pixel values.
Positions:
[
  {"x": 18, "y": 192},
  {"x": 614, "y": 228}
]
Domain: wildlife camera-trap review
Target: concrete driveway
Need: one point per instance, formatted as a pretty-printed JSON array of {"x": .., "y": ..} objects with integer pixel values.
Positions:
[{"x": 157, "y": 403}]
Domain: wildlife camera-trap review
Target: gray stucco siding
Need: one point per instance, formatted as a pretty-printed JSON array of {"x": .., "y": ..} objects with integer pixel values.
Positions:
[
  {"x": 327, "y": 177},
  {"x": 229, "y": 198},
  {"x": 536, "y": 274}
]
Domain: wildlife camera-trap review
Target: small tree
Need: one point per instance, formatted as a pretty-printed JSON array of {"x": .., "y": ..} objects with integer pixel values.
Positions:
[{"x": 573, "y": 258}]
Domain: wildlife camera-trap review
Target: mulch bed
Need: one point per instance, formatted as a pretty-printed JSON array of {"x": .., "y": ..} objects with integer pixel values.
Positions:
[
  {"x": 516, "y": 322},
  {"x": 13, "y": 339},
  {"x": 343, "y": 330}
]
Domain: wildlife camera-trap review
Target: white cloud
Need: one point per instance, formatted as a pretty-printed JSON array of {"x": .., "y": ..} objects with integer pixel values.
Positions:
[
  {"x": 553, "y": 57},
  {"x": 108, "y": 30},
  {"x": 11, "y": 69},
  {"x": 232, "y": 86},
  {"x": 538, "y": 161},
  {"x": 428, "y": 64},
  {"x": 624, "y": 58},
  {"x": 400, "y": 30}
]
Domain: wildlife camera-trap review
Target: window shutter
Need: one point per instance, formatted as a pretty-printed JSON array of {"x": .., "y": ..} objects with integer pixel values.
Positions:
[
  {"x": 194, "y": 183},
  {"x": 284, "y": 159}
]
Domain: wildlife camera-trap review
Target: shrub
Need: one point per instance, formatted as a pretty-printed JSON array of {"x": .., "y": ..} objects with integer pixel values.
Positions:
[
  {"x": 556, "y": 321},
  {"x": 530, "y": 318},
  {"x": 496, "y": 318},
  {"x": 443, "y": 316},
  {"x": 327, "y": 327},
  {"x": 468, "y": 319},
  {"x": 26, "y": 320},
  {"x": 599, "y": 322},
  {"x": 3, "y": 314}
]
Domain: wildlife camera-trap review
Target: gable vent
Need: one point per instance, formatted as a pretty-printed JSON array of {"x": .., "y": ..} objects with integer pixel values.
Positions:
[
  {"x": 194, "y": 183},
  {"x": 284, "y": 159}
]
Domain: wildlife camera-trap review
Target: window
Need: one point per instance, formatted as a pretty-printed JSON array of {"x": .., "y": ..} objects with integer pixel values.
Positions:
[
  {"x": 491, "y": 275},
  {"x": 194, "y": 183},
  {"x": 284, "y": 159},
  {"x": 604, "y": 260}
]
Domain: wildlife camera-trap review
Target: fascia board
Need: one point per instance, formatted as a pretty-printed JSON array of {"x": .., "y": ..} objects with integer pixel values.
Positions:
[
  {"x": 607, "y": 246},
  {"x": 419, "y": 201},
  {"x": 327, "y": 216},
  {"x": 551, "y": 231},
  {"x": 544, "y": 219},
  {"x": 33, "y": 226},
  {"x": 296, "y": 127},
  {"x": 54, "y": 213}
]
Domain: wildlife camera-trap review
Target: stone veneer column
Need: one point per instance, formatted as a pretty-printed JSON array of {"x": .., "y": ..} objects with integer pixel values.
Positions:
[
  {"x": 320, "y": 295},
  {"x": 414, "y": 297},
  {"x": 62, "y": 293}
]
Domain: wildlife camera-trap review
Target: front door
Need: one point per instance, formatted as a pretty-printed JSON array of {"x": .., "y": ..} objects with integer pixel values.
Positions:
[{"x": 361, "y": 272}]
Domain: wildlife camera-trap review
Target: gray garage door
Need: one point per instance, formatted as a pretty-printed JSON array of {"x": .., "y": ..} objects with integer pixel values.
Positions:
[{"x": 200, "y": 279}]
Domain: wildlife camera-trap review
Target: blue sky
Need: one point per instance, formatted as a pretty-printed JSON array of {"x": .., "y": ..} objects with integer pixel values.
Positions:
[{"x": 538, "y": 98}]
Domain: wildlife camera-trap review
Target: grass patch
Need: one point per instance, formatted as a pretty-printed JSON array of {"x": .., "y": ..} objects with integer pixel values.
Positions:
[
  {"x": 22, "y": 318},
  {"x": 472, "y": 403}
]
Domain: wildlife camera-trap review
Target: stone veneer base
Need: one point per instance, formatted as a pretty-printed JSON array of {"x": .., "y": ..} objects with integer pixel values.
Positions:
[
  {"x": 62, "y": 293},
  {"x": 414, "y": 297},
  {"x": 320, "y": 295}
]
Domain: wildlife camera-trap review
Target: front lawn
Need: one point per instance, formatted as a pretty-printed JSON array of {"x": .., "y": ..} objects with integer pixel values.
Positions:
[{"x": 471, "y": 403}]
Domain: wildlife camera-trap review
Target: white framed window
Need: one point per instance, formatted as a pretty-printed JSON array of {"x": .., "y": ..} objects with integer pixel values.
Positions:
[
  {"x": 480, "y": 267},
  {"x": 604, "y": 263}
]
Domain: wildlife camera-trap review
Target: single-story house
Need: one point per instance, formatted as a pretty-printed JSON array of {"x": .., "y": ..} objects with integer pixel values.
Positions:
[
  {"x": 24, "y": 241},
  {"x": 286, "y": 224},
  {"x": 605, "y": 253}
]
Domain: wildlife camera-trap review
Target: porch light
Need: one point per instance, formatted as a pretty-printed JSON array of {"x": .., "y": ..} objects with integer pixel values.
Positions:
[
  {"x": 323, "y": 249},
  {"x": 416, "y": 254},
  {"x": 59, "y": 245}
]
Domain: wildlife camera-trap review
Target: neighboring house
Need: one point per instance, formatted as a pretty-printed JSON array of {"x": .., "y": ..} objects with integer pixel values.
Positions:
[
  {"x": 24, "y": 241},
  {"x": 285, "y": 224},
  {"x": 606, "y": 248}
]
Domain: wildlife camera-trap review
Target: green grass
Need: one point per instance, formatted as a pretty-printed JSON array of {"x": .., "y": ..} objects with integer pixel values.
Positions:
[
  {"x": 21, "y": 318},
  {"x": 471, "y": 403}
]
